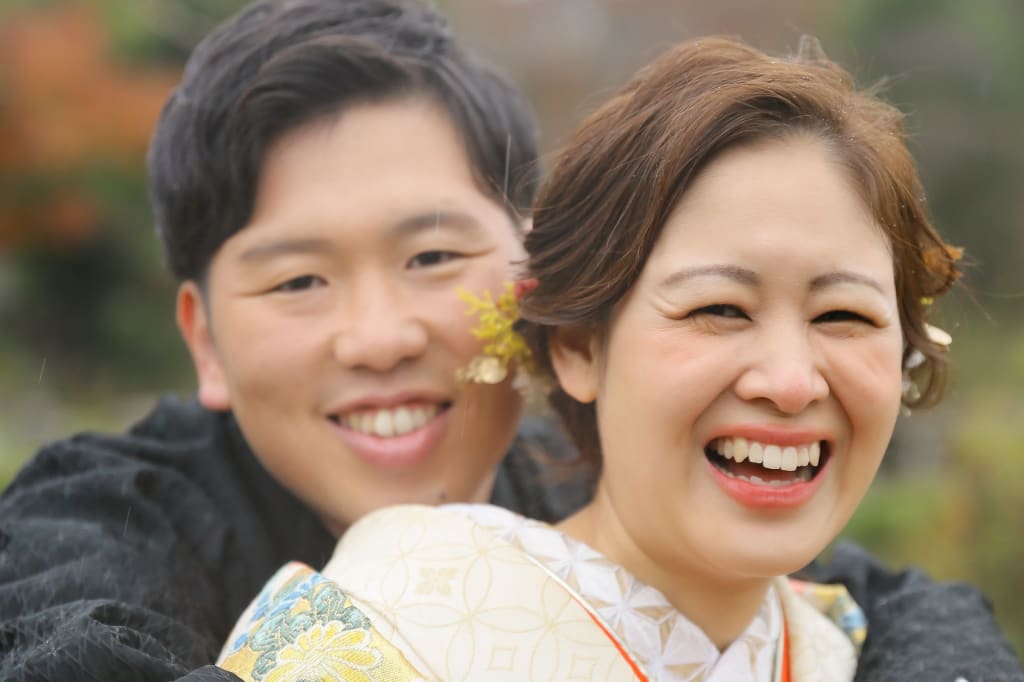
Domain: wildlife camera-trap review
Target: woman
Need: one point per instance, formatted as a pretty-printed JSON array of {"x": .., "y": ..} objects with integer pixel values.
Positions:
[{"x": 733, "y": 270}]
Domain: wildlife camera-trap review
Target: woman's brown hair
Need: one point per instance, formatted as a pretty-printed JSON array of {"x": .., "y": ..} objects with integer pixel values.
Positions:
[{"x": 614, "y": 185}]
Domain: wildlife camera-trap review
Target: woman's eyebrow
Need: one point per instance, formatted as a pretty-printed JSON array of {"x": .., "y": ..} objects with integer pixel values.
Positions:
[
  {"x": 830, "y": 279},
  {"x": 750, "y": 278},
  {"x": 744, "y": 276}
]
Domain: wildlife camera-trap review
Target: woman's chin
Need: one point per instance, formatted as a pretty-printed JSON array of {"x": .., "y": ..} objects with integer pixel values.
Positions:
[{"x": 768, "y": 559}]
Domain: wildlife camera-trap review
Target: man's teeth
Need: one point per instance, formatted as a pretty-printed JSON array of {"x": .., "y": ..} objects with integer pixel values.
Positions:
[
  {"x": 786, "y": 458},
  {"x": 390, "y": 422}
]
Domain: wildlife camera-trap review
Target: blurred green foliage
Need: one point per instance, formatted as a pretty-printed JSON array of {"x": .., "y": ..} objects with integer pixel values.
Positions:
[
  {"x": 82, "y": 285},
  {"x": 86, "y": 309},
  {"x": 957, "y": 69}
]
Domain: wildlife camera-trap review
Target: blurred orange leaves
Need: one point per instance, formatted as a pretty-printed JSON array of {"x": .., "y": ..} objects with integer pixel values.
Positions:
[{"x": 67, "y": 107}]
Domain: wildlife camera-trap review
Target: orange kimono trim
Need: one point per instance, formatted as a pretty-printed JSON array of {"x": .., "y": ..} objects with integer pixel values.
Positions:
[
  {"x": 618, "y": 645},
  {"x": 785, "y": 675}
]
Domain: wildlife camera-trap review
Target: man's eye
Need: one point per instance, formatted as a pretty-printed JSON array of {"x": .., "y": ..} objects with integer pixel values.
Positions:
[
  {"x": 841, "y": 316},
  {"x": 299, "y": 284},
  {"x": 427, "y": 259},
  {"x": 720, "y": 310}
]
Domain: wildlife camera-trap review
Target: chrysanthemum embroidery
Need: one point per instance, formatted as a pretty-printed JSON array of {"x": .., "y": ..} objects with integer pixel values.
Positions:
[
  {"x": 330, "y": 653},
  {"x": 436, "y": 580},
  {"x": 502, "y": 343}
]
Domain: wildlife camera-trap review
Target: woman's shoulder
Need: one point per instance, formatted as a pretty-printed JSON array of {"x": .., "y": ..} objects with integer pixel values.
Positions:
[{"x": 414, "y": 524}]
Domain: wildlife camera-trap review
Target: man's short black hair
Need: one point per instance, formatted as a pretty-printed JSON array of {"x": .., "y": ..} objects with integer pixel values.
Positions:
[{"x": 278, "y": 65}]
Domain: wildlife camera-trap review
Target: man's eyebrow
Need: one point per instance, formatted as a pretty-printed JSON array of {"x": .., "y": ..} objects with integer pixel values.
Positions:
[
  {"x": 845, "y": 277},
  {"x": 450, "y": 220},
  {"x": 283, "y": 247},
  {"x": 733, "y": 272},
  {"x": 420, "y": 222}
]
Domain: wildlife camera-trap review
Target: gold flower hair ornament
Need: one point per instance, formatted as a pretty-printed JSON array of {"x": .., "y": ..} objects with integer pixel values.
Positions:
[
  {"x": 940, "y": 260},
  {"x": 503, "y": 345},
  {"x": 939, "y": 337}
]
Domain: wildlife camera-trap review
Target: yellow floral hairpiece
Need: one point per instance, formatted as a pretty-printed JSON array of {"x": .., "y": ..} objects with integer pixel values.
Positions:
[{"x": 503, "y": 345}]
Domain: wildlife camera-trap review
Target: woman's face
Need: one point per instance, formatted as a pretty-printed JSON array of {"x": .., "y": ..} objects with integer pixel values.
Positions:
[{"x": 762, "y": 337}]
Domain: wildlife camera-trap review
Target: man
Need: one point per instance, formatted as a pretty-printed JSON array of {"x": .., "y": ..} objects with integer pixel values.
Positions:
[{"x": 326, "y": 176}]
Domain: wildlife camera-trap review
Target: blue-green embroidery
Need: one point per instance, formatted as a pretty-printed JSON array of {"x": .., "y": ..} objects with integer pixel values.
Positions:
[{"x": 286, "y": 617}]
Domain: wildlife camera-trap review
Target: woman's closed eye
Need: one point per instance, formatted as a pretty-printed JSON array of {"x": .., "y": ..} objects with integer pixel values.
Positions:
[
  {"x": 842, "y": 315},
  {"x": 723, "y": 310},
  {"x": 300, "y": 283},
  {"x": 426, "y": 259}
]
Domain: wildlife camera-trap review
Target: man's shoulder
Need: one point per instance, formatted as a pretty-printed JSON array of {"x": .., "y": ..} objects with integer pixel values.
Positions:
[
  {"x": 541, "y": 477},
  {"x": 121, "y": 551},
  {"x": 918, "y": 628},
  {"x": 174, "y": 419},
  {"x": 171, "y": 436}
]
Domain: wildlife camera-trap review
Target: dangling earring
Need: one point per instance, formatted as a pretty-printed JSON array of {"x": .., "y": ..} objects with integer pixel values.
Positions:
[
  {"x": 503, "y": 345},
  {"x": 939, "y": 337},
  {"x": 910, "y": 390}
]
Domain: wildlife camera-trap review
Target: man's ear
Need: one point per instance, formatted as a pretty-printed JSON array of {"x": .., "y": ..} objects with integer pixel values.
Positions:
[
  {"x": 574, "y": 357},
  {"x": 194, "y": 324}
]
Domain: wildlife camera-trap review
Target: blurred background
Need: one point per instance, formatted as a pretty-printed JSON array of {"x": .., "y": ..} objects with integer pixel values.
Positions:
[{"x": 87, "y": 338}]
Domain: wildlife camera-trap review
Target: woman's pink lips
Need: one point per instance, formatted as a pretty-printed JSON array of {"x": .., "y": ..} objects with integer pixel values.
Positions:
[
  {"x": 397, "y": 452},
  {"x": 766, "y": 496}
]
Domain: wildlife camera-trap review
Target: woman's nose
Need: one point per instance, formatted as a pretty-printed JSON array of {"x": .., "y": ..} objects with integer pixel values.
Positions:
[{"x": 784, "y": 370}]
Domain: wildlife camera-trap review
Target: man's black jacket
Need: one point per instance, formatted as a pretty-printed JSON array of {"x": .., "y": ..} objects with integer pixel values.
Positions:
[{"x": 129, "y": 557}]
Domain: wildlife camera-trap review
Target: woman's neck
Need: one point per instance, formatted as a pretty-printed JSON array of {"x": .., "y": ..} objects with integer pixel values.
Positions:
[{"x": 722, "y": 606}]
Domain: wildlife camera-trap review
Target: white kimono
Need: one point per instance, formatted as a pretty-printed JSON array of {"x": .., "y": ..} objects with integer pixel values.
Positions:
[{"x": 476, "y": 592}]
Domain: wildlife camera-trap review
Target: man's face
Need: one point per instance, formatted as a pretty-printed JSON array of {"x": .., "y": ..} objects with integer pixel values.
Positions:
[{"x": 332, "y": 327}]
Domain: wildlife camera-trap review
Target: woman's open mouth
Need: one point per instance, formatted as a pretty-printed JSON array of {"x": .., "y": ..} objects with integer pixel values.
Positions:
[{"x": 767, "y": 463}]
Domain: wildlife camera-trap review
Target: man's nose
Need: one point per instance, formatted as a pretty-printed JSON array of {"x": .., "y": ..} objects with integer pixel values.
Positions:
[{"x": 380, "y": 328}]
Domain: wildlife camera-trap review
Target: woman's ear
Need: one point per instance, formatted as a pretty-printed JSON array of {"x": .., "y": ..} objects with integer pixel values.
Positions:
[
  {"x": 574, "y": 357},
  {"x": 194, "y": 324}
]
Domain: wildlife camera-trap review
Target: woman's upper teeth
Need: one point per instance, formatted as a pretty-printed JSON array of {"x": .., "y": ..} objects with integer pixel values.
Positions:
[
  {"x": 390, "y": 422},
  {"x": 769, "y": 456}
]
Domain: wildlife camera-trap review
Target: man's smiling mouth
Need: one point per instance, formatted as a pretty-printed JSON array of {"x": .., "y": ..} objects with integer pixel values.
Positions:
[
  {"x": 767, "y": 463},
  {"x": 390, "y": 422}
]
